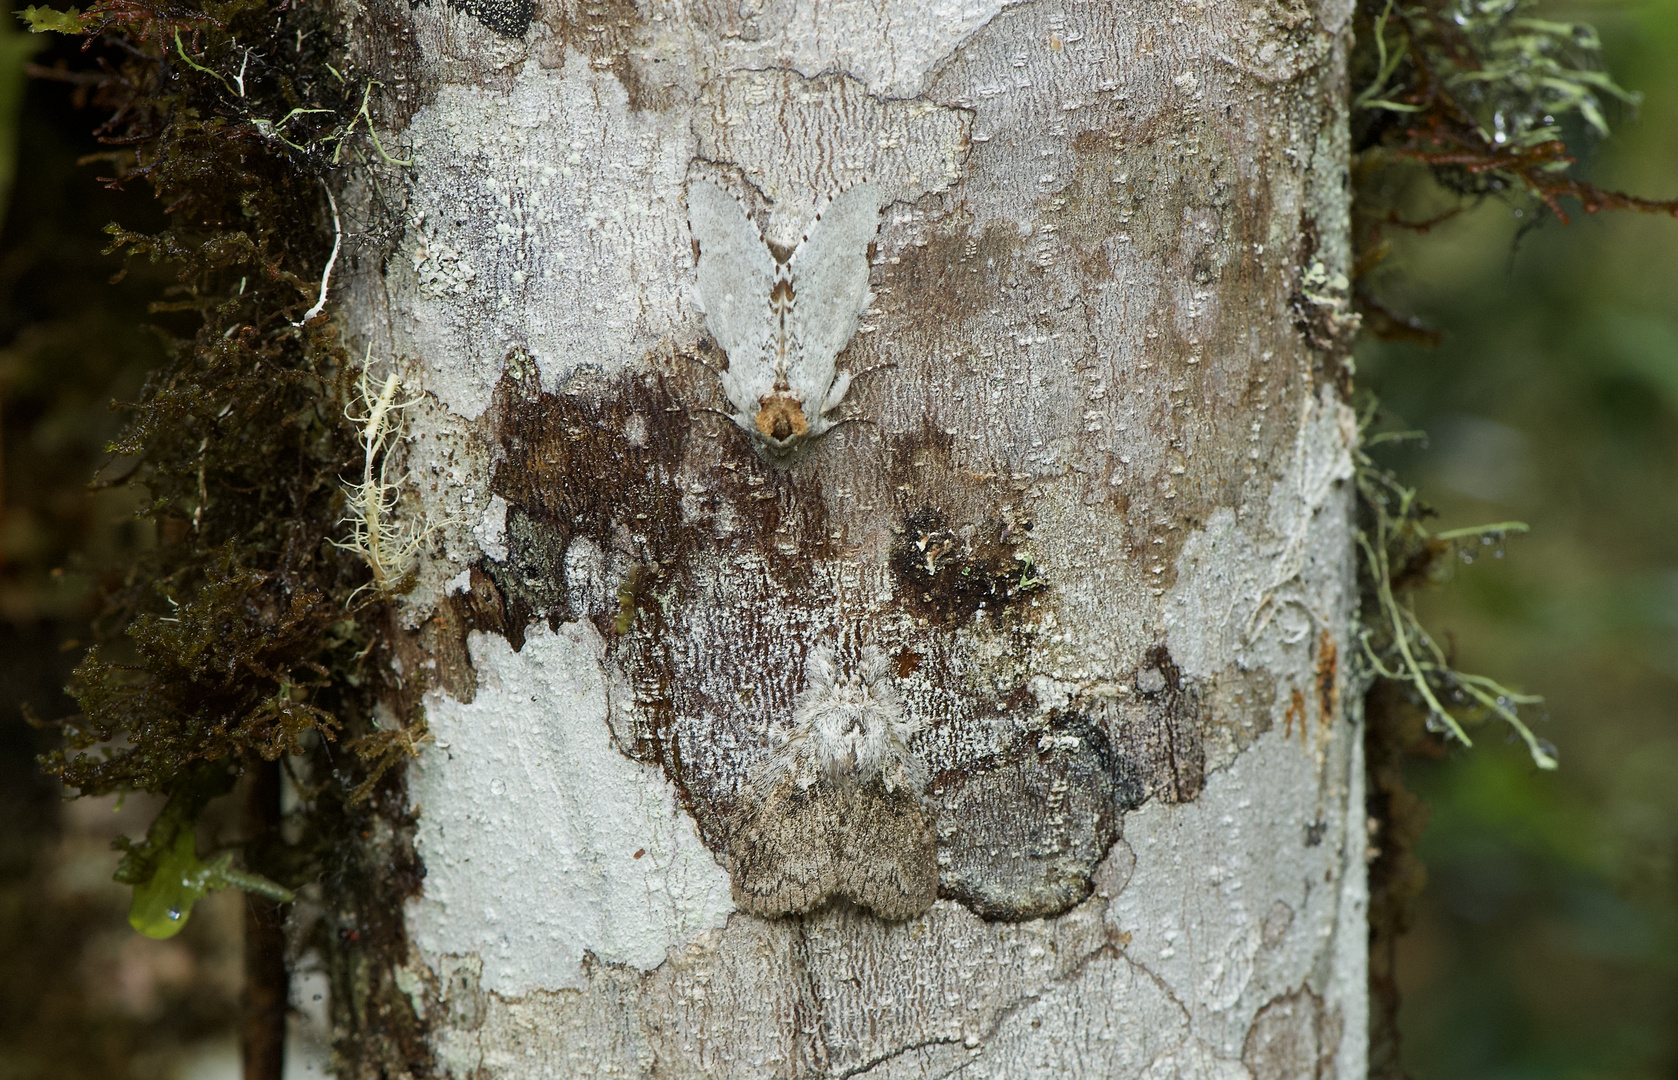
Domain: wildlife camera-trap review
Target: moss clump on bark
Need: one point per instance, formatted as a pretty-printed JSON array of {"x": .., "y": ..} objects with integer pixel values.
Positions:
[
  {"x": 221, "y": 646},
  {"x": 239, "y": 637}
]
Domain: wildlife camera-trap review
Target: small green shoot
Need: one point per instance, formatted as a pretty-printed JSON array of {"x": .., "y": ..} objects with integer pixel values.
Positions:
[
  {"x": 1388, "y": 60},
  {"x": 365, "y": 114},
  {"x": 164, "y": 902},
  {"x": 196, "y": 66},
  {"x": 164, "y": 869},
  {"x": 43, "y": 20}
]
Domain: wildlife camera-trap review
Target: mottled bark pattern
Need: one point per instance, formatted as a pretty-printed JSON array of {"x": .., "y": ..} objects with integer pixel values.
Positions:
[{"x": 1089, "y": 499}]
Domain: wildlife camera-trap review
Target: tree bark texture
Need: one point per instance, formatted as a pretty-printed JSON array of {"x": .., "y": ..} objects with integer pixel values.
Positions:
[{"x": 1084, "y": 506}]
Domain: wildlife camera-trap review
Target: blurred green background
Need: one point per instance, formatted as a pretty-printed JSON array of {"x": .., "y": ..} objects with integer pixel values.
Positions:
[{"x": 1546, "y": 944}]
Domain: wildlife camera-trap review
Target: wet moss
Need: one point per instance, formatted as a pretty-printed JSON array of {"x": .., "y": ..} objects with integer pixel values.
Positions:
[
  {"x": 238, "y": 638},
  {"x": 1456, "y": 102}
]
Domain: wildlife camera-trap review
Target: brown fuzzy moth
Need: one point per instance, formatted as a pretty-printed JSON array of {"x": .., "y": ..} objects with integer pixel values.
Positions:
[{"x": 838, "y": 808}]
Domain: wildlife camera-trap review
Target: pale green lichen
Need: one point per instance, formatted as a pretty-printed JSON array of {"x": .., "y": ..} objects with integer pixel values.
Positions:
[
  {"x": 386, "y": 541},
  {"x": 1399, "y": 552}
]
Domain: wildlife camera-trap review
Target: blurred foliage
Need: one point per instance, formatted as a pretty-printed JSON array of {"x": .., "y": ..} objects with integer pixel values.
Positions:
[
  {"x": 1546, "y": 943},
  {"x": 16, "y": 48}
]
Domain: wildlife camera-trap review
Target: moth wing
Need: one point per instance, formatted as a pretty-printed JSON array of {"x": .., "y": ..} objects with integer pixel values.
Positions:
[
  {"x": 829, "y": 272},
  {"x": 735, "y": 275},
  {"x": 889, "y": 853},
  {"x": 784, "y": 848}
]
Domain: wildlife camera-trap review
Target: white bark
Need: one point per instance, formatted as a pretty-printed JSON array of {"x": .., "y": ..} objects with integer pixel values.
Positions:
[{"x": 1114, "y": 244}]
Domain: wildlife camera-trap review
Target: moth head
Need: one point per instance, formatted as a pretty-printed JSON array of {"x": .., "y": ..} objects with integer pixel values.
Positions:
[{"x": 780, "y": 418}]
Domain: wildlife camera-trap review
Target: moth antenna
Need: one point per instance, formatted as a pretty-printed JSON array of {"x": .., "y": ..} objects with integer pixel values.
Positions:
[
  {"x": 733, "y": 421},
  {"x": 872, "y": 368},
  {"x": 692, "y": 359},
  {"x": 842, "y": 421}
]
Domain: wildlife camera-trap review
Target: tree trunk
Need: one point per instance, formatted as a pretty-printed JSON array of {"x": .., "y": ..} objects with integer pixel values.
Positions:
[{"x": 951, "y": 683}]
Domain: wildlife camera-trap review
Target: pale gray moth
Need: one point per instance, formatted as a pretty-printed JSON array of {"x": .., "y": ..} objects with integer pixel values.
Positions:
[
  {"x": 838, "y": 809},
  {"x": 783, "y": 322}
]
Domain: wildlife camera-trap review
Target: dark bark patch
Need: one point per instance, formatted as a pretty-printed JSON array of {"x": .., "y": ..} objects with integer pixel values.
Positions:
[
  {"x": 594, "y": 458},
  {"x": 956, "y": 274},
  {"x": 946, "y": 574},
  {"x": 1021, "y": 834},
  {"x": 510, "y": 18},
  {"x": 442, "y": 640},
  {"x": 604, "y": 31},
  {"x": 1171, "y": 732},
  {"x": 397, "y": 63},
  {"x": 692, "y": 556},
  {"x": 1326, "y": 328},
  {"x": 532, "y": 579},
  {"x": 1157, "y": 732}
]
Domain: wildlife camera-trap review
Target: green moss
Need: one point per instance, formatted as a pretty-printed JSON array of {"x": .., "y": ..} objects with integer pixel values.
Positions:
[
  {"x": 1481, "y": 95},
  {"x": 234, "y": 640},
  {"x": 42, "y": 20},
  {"x": 1456, "y": 101}
]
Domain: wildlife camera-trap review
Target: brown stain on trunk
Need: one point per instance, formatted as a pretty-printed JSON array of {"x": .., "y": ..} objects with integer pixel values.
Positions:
[
  {"x": 1328, "y": 680},
  {"x": 1296, "y": 710}
]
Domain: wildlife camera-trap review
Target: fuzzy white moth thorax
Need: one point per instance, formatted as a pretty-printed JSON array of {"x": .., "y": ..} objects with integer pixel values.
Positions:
[
  {"x": 849, "y": 729},
  {"x": 782, "y": 319}
]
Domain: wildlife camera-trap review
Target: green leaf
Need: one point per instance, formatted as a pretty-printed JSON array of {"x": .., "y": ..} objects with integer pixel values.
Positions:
[{"x": 164, "y": 903}]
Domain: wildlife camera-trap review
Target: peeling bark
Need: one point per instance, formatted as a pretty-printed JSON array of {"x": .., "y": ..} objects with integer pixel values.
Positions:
[{"x": 1086, "y": 496}]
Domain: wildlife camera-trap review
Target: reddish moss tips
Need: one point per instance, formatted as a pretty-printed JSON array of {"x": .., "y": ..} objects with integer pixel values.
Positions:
[{"x": 1475, "y": 96}]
